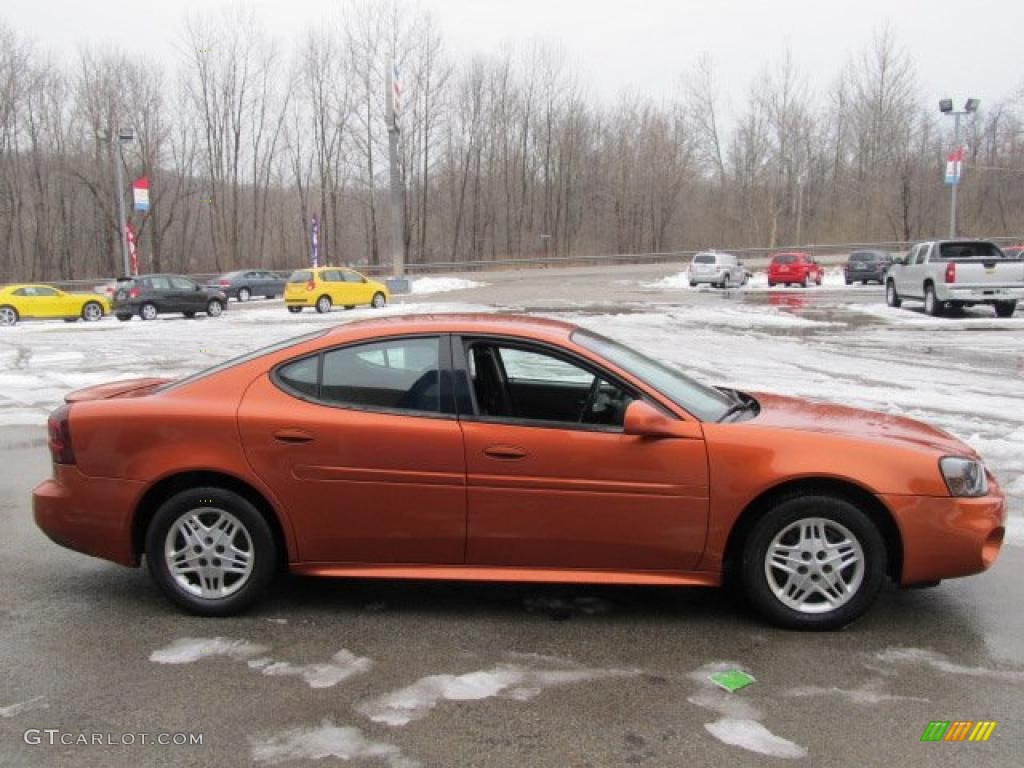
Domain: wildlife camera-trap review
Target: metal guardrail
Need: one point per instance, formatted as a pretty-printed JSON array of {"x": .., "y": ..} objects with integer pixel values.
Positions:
[{"x": 838, "y": 250}]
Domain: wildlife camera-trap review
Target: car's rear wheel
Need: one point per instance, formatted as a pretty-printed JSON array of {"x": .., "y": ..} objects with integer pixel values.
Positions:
[
  {"x": 931, "y": 303},
  {"x": 813, "y": 562},
  {"x": 214, "y": 308},
  {"x": 892, "y": 298},
  {"x": 771, "y": 284},
  {"x": 92, "y": 311},
  {"x": 295, "y": 310},
  {"x": 378, "y": 300},
  {"x": 8, "y": 315},
  {"x": 244, "y": 294},
  {"x": 1005, "y": 308},
  {"x": 210, "y": 551},
  {"x": 323, "y": 304},
  {"x": 148, "y": 311},
  {"x": 805, "y": 282}
]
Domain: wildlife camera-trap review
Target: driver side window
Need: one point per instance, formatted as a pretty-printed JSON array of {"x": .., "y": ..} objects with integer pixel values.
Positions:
[{"x": 523, "y": 384}]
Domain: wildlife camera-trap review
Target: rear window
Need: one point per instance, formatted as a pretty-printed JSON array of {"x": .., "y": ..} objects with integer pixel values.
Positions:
[
  {"x": 865, "y": 256},
  {"x": 785, "y": 258},
  {"x": 704, "y": 258},
  {"x": 969, "y": 250},
  {"x": 301, "y": 276}
]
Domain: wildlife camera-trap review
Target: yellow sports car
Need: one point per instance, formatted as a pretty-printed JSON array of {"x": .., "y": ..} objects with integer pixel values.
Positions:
[
  {"x": 18, "y": 302},
  {"x": 323, "y": 287}
]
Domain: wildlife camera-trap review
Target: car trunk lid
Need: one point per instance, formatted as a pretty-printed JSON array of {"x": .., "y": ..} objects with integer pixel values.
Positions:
[{"x": 124, "y": 388}]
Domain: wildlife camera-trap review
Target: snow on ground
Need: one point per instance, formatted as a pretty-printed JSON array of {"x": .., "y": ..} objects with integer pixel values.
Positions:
[
  {"x": 758, "y": 282},
  {"x": 325, "y": 741},
  {"x": 422, "y": 285}
]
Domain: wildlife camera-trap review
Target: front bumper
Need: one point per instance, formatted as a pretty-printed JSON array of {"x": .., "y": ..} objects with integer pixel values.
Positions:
[
  {"x": 88, "y": 514},
  {"x": 946, "y": 537}
]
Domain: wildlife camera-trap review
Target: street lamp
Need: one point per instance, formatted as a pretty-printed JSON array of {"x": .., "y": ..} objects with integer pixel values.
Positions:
[
  {"x": 946, "y": 108},
  {"x": 124, "y": 136}
]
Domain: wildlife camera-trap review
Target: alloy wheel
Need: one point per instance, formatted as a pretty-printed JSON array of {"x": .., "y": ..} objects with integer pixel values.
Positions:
[
  {"x": 92, "y": 312},
  {"x": 209, "y": 553},
  {"x": 8, "y": 316}
]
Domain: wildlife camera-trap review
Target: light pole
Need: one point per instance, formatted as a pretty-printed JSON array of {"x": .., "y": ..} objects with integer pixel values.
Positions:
[
  {"x": 946, "y": 107},
  {"x": 124, "y": 136}
]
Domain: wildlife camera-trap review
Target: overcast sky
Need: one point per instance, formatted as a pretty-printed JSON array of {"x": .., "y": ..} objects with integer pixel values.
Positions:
[{"x": 960, "y": 49}]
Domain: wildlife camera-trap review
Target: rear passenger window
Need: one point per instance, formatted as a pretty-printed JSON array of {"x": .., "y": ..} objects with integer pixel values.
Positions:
[
  {"x": 403, "y": 374},
  {"x": 301, "y": 376}
]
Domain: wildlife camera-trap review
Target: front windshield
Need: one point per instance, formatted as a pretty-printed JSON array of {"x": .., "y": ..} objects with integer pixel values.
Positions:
[{"x": 704, "y": 402}]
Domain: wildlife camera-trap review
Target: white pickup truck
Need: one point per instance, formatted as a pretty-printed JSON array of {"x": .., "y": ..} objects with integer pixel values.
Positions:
[{"x": 945, "y": 274}]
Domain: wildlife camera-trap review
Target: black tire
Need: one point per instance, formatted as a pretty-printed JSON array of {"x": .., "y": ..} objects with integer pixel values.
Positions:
[
  {"x": 350, "y": 306},
  {"x": 323, "y": 304},
  {"x": 693, "y": 284},
  {"x": 8, "y": 315},
  {"x": 123, "y": 318},
  {"x": 70, "y": 319},
  {"x": 836, "y": 513},
  {"x": 892, "y": 298},
  {"x": 148, "y": 311},
  {"x": 295, "y": 310},
  {"x": 214, "y": 308},
  {"x": 378, "y": 301},
  {"x": 244, "y": 294},
  {"x": 805, "y": 282},
  {"x": 849, "y": 281},
  {"x": 189, "y": 315},
  {"x": 771, "y": 284},
  {"x": 1005, "y": 308},
  {"x": 264, "y": 551},
  {"x": 932, "y": 306},
  {"x": 92, "y": 311}
]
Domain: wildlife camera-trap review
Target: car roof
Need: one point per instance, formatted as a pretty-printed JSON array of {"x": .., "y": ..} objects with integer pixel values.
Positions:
[
  {"x": 15, "y": 286},
  {"x": 459, "y": 322}
]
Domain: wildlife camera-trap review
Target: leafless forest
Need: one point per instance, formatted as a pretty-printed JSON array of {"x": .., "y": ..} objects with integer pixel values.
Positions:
[{"x": 509, "y": 155}]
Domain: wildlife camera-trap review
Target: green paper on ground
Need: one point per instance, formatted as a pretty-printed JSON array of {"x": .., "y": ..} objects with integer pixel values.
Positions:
[{"x": 732, "y": 680}]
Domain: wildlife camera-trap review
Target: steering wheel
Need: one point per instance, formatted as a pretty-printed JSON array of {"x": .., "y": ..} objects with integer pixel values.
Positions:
[{"x": 588, "y": 403}]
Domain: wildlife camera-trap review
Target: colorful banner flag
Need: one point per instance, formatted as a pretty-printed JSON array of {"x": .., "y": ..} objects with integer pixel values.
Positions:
[
  {"x": 954, "y": 165},
  {"x": 315, "y": 240},
  {"x": 396, "y": 91},
  {"x": 140, "y": 194},
  {"x": 133, "y": 255}
]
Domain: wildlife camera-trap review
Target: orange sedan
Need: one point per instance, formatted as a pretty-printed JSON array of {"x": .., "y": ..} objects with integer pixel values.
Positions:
[{"x": 497, "y": 448}]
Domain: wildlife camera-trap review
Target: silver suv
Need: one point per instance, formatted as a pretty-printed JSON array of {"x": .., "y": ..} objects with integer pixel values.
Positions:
[{"x": 722, "y": 270}]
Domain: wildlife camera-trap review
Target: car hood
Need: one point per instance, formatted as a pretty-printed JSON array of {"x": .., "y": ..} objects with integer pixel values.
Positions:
[{"x": 793, "y": 413}]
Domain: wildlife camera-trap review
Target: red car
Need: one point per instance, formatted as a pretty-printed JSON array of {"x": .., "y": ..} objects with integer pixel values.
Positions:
[
  {"x": 1014, "y": 251},
  {"x": 794, "y": 268}
]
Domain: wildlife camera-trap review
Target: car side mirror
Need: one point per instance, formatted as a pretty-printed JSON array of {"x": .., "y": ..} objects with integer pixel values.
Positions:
[{"x": 644, "y": 420}]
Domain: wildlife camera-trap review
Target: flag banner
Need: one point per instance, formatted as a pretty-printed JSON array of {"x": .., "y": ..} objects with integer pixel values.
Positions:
[
  {"x": 140, "y": 194},
  {"x": 396, "y": 91},
  {"x": 133, "y": 255},
  {"x": 954, "y": 165},
  {"x": 315, "y": 242}
]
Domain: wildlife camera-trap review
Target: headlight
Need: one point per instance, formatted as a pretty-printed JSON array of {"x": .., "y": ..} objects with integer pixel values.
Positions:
[{"x": 964, "y": 477}]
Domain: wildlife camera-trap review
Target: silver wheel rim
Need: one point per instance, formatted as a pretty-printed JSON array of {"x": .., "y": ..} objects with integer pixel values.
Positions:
[
  {"x": 323, "y": 304},
  {"x": 213, "y": 308},
  {"x": 209, "y": 553},
  {"x": 93, "y": 312},
  {"x": 243, "y": 294},
  {"x": 814, "y": 565},
  {"x": 378, "y": 301},
  {"x": 148, "y": 312},
  {"x": 7, "y": 316}
]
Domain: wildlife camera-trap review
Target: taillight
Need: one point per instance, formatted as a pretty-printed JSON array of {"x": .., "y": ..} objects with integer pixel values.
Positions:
[
  {"x": 224, "y": 283},
  {"x": 133, "y": 293},
  {"x": 311, "y": 284},
  {"x": 951, "y": 272},
  {"x": 59, "y": 428}
]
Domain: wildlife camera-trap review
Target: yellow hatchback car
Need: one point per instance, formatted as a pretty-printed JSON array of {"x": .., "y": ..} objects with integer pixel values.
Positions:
[
  {"x": 18, "y": 302},
  {"x": 323, "y": 287}
]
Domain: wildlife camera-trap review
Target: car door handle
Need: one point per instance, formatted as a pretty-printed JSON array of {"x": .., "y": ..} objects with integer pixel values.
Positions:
[
  {"x": 509, "y": 452},
  {"x": 292, "y": 436}
]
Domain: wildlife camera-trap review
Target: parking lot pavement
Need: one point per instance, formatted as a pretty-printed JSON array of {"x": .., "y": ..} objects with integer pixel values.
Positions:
[{"x": 402, "y": 674}]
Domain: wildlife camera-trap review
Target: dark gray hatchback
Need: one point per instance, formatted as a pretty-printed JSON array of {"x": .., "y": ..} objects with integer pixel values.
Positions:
[
  {"x": 150, "y": 295},
  {"x": 867, "y": 266},
  {"x": 244, "y": 284}
]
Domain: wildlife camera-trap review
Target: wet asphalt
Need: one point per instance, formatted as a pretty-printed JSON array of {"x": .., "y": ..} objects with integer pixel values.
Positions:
[{"x": 76, "y": 636}]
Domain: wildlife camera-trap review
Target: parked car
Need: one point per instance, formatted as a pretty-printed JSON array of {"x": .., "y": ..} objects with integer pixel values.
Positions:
[
  {"x": 794, "y": 268},
  {"x": 243, "y": 284},
  {"x": 502, "y": 448},
  {"x": 1014, "y": 251},
  {"x": 867, "y": 266},
  {"x": 323, "y": 287},
  {"x": 722, "y": 270},
  {"x": 957, "y": 273},
  {"x": 150, "y": 295},
  {"x": 25, "y": 301}
]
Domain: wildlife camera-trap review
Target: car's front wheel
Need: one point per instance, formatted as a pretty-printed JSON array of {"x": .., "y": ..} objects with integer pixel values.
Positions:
[
  {"x": 813, "y": 562},
  {"x": 210, "y": 551},
  {"x": 244, "y": 294},
  {"x": 892, "y": 298},
  {"x": 148, "y": 311},
  {"x": 378, "y": 300},
  {"x": 214, "y": 308}
]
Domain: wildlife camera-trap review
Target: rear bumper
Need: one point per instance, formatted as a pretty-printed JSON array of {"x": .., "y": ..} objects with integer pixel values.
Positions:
[
  {"x": 978, "y": 294},
  {"x": 944, "y": 538},
  {"x": 859, "y": 274},
  {"x": 299, "y": 301},
  {"x": 88, "y": 514},
  {"x": 707, "y": 277}
]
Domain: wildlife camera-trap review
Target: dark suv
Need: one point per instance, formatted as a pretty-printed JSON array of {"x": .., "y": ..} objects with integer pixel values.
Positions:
[
  {"x": 149, "y": 295},
  {"x": 865, "y": 266}
]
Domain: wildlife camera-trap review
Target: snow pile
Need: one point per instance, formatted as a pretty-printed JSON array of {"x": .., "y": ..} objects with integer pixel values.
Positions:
[
  {"x": 423, "y": 285},
  {"x": 671, "y": 283},
  {"x": 187, "y": 650},
  {"x": 326, "y": 740}
]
